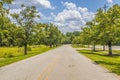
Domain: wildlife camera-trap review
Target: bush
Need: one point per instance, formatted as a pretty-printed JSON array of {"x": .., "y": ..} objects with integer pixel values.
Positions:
[{"x": 6, "y": 55}]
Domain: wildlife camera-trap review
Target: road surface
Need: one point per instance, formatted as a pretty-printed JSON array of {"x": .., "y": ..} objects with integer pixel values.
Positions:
[{"x": 62, "y": 63}]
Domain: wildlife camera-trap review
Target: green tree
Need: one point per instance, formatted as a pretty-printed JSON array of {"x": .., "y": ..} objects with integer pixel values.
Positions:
[
  {"x": 26, "y": 20},
  {"x": 48, "y": 34},
  {"x": 109, "y": 26},
  {"x": 3, "y": 21},
  {"x": 54, "y": 36}
]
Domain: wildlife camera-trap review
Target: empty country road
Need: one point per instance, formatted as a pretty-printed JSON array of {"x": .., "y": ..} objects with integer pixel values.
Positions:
[{"x": 63, "y": 63}]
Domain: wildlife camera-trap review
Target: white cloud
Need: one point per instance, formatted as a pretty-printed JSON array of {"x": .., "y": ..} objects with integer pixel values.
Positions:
[
  {"x": 52, "y": 14},
  {"x": 68, "y": 15},
  {"x": 37, "y": 3},
  {"x": 40, "y": 4},
  {"x": 82, "y": 10},
  {"x": 44, "y": 3},
  {"x": 72, "y": 18},
  {"x": 110, "y": 1},
  {"x": 70, "y": 5}
]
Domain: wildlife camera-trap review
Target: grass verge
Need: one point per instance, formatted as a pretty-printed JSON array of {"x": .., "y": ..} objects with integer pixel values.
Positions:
[
  {"x": 79, "y": 46},
  {"x": 112, "y": 63},
  {"x": 36, "y": 50}
]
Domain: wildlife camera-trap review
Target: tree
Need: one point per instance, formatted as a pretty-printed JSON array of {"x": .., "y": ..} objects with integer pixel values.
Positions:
[
  {"x": 109, "y": 25},
  {"x": 77, "y": 40},
  {"x": 26, "y": 21},
  {"x": 90, "y": 33},
  {"x": 3, "y": 21},
  {"x": 54, "y": 36},
  {"x": 70, "y": 36},
  {"x": 48, "y": 34}
]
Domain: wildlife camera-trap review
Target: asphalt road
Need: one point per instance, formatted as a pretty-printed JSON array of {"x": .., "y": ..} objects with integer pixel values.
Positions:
[{"x": 62, "y": 63}]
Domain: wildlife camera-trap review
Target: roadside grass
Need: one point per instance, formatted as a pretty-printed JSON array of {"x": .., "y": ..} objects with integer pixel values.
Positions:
[
  {"x": 112, "y": 63},
  {"x": 14, "y": 54},
  {"x": 79, "y": 46}
]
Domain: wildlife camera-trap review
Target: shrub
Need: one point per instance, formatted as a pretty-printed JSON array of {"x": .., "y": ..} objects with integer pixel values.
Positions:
[{"x": 6, "y": 55}]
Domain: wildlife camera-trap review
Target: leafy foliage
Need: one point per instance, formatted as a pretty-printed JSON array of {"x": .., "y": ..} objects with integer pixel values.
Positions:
[
  {"x": 25, "y": 30},
  {"x": 104, "y": 29}
]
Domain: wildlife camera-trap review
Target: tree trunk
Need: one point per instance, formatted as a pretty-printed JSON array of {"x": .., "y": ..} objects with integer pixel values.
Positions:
[
  {"x": 50, "y": 45},
  {"x": 56, "y": 45},
  {"x": 103, "y": 47},
  {"x": 25, "y": 48},
  {"x": 110, "y": 48},
  {"x": 88, "y": 46},
  {"x": 93, "y": 46}
]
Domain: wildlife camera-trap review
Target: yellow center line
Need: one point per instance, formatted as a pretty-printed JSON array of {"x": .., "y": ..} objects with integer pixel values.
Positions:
[{"x": 49, "y": 69}]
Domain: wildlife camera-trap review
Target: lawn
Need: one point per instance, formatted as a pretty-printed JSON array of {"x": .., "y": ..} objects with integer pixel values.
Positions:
[
  {"x": 112, "y": 63},
  {"x": 9, "y": 55},
  {"x": 79, "y": 46}
]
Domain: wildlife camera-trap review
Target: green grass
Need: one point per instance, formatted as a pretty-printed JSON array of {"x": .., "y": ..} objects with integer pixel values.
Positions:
[
  {"x": 79, "y": 46},
  {"x": 16, "y": 55},
  {"x": 112, "y": 63}
]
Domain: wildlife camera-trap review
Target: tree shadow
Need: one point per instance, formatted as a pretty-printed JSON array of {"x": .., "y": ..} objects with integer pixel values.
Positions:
[
  {"x": 91, "y": 52},
  {"x": 113, "y": 55},
  {"x": 116, "y": 66},
  {"x": 105, "y": 54}
]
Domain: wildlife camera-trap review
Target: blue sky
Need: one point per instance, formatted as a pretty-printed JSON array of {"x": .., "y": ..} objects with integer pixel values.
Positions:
[{"x": 69, "y": 15}]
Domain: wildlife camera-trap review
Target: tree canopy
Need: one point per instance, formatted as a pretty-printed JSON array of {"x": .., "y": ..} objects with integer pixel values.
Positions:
[
  {"x": 25, "y": 30},
  {"x": 104, "y": 29}
]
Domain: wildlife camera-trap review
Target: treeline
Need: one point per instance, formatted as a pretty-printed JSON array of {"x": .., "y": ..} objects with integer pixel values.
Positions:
[
  {"x": 103, "y": 30},
  {"x": 70, "y": 36},
  {"x": 23, "y": 30}
]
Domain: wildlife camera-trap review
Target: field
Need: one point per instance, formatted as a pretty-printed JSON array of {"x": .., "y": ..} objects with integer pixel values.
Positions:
[
  {"x": 112, "y": 63},
  {"x": 12, "y": 54}
]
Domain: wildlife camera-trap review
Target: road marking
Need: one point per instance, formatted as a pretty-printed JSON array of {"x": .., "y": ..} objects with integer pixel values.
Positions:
[{"x": 49, "y": 69}]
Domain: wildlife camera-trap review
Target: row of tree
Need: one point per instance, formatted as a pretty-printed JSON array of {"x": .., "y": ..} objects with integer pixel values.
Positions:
[
  {"x": 23, "y": 30},
  {"x": 69, "y": 37},
  {"x": 104, "y": 29}
]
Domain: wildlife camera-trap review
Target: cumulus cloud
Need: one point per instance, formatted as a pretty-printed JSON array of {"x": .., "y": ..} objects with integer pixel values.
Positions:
[
  {"x": 69, "y": 5},
  {"x": 37, "y": 3},
  {"x": 40, "y": 4},
  {"x": 44, "y": 3},
  {"x": 68, "y": 15},
  {"x": 110, "y": 1},
  {"x": 72, "y": 18}
]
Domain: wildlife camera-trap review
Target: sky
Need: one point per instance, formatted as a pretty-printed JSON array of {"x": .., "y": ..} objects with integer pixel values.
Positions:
[{"x": 68, "y": 15}]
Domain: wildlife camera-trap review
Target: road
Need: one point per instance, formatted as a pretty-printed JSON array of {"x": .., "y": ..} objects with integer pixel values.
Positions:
[{"x": 62, "y": 63}]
